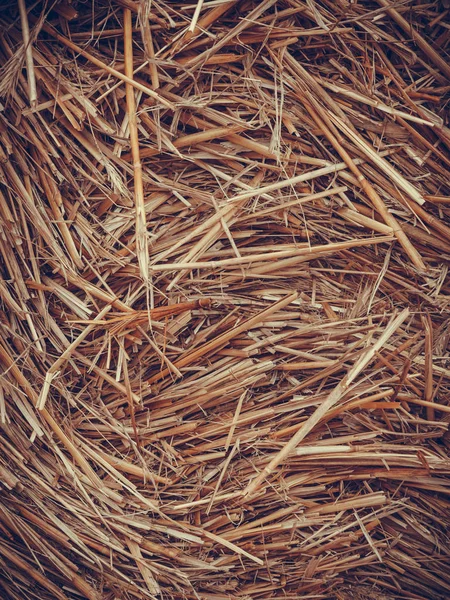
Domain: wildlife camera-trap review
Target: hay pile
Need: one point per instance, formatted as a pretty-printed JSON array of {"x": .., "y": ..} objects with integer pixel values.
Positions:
[{"x": 224, "y": 302}]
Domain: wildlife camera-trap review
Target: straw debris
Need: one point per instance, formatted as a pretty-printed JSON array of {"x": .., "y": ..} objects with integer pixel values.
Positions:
[{"x": 224, "y": 300}]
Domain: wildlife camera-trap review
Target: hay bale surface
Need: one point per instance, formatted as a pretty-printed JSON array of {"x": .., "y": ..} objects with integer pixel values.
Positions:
[{"x": 224, "y": 301}]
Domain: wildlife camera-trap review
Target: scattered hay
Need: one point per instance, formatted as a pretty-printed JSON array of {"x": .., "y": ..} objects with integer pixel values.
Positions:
[{"x": 224, "y": 302}]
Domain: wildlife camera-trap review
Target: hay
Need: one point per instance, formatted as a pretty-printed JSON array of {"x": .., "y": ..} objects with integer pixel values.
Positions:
[{"x": 224, "y": 302}]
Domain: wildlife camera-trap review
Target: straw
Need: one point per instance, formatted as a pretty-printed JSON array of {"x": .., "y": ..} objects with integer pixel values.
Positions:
[{"x": 224, "y": 300}]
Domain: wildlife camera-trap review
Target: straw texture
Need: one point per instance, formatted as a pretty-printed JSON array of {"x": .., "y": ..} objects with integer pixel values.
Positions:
[{"x": 224, "y": 300}]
